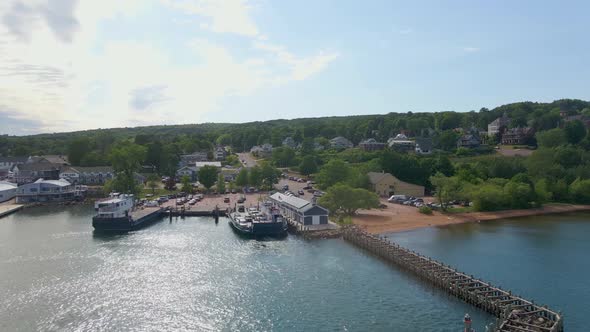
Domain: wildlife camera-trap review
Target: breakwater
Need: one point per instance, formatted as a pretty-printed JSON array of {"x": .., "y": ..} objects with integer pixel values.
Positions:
[{"x": 514, "y": 313}]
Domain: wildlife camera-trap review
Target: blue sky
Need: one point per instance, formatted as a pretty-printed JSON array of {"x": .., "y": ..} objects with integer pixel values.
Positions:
[{"x": 70, "y": 65}]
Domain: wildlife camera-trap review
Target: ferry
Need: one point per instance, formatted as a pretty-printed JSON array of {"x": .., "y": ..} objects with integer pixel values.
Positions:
[
  {"x": 266, "y": 221},
  {"x": 115, "y": 214}
]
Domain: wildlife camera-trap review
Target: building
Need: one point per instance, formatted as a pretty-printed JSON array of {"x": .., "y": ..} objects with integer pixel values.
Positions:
[
  {"x": 385, "y": 184},
  {"x": 497, "y": 125},
  {"x": 300, "y": 210},
  {"x": 190, "y": 171},
  {"x": 230, "y": 173},
  {"x": 401, "y": 143},
  {"x": 290, "y": 142},
  {"x": 469, "y": 141},
  {"x": 46, "y": 191},
  {"x": 340, "y": 143},
  {"x": 423, "y": 146},
  {"x": 8, "y": 162},
  {"x": 7, "y": 191},
  {"x": 371, "y": 145},
  {"x": 191, "y": 159},
  {"x": 262, "y": 151},
  {"x": 582, "y": 118},
  {"x": 200, "y": 164},
  {"x": 517, "y": 136},
  {"x": 51, "y": 159},
  {"x": 97, "y": 175},
  {"x": 31, "y": 172},
  {"x": 220, "y": 153}
]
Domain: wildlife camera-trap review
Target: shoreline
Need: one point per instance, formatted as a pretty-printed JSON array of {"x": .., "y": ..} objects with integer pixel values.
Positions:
[{"x": 403, "y": 219}]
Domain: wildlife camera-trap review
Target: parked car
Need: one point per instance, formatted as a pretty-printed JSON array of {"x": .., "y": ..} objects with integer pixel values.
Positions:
[
  {"x": 241, "y": 200},
  {"x": 233, "y": 191},
  {"x": 286, "y": 187},
  {"x": 301, "y": 192},
  {"x": 226, "y": 200}
]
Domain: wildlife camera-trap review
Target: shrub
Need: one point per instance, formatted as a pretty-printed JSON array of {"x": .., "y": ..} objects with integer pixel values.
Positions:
[{"x": 425, "y": 210}]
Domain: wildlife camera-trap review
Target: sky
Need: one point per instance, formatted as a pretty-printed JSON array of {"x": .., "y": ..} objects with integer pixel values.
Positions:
[{"x": 70, "y": 65}]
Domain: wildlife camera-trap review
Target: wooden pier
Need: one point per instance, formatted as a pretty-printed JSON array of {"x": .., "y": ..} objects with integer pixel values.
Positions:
[
  {"x": 7, "y": 209},
  {"x": 514, "y": 313}
]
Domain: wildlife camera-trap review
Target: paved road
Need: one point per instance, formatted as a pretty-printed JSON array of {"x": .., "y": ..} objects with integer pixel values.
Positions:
[{"x": 247, "y": 159}]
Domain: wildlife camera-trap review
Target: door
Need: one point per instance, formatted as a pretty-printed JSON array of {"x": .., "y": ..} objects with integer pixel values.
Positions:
[{"x": 316, "y": 220}]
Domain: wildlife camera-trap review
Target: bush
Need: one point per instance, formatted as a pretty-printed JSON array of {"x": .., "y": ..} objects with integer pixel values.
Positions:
[{"x": 425, "y": 210}]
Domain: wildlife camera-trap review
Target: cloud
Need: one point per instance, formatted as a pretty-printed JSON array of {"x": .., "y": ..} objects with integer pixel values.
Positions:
[
  {"x": 144, "y": 98},
  {"x": 470, "y": 49},
  {"x": 11, "y": 122},
  {"x": 226, "y": 16}
]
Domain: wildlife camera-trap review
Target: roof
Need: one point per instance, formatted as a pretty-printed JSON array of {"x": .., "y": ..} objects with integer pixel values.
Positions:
[
  {"x": 295, "y": 202},
  {"x": 60, "y": 182},
  {"x": 13, "y": 159},
  {"x": 424, "y": 143},
  {"x": 208, "y": 163},
  {"x": 55, "y": 159},
  {"x": 376, "y": 177},
  {"x": 94, "y": 169},
  {"x": 7, "y": 185},
  {"x": 39, "y": 167}
]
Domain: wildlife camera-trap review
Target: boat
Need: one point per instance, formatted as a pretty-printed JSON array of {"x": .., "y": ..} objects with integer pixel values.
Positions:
[
  {"x": 115, "y": 214},
  {"x": 265, "y": 221}
]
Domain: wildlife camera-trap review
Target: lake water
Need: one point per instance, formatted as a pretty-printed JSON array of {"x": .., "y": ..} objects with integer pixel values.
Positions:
[{"x": 193, "y": 274}]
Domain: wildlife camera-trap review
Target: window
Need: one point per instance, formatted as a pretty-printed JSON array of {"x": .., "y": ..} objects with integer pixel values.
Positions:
[{"x": 33, "y": 190}]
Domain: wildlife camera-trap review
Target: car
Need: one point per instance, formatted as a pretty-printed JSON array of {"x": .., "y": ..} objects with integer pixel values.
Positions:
[
  {"x": 233, "y": 191},
  {"x": 226, "y": 200},
  {"x": 307, "y": 187},
  {"x": 300, "y": 180},
  {"x": 241, "y": 200},
  {"x": 301, "y": 192},
  {"x": 192, "y": 202},
  {"x": 286, "y": 187}
]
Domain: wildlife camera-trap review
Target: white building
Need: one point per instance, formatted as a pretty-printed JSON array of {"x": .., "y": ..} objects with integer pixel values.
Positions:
[
  {"x": 97, "y": 175},
  {"x": 340, "y": 143},
  {"x": 46, "y": 191},
  {"x": 7, "y": 191},
  {"x": 495, "y": 126},
  {"x": 300, "y": 210}
]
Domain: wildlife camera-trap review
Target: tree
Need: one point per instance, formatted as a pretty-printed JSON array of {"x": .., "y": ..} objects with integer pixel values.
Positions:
[
  {"x": 77, "y": 150},
  {"x": 152, "y": 182},
  {"x": 126, "y": 159},
  {"x": 224, "y": 139},
  {"x": 575, "y": 131},
  {"x": 207, "y": 176},
  {"x": 242, "y": 178},
  {"x": 187, "y": 187},
  {"x": 269, "y": 175},
  {"x": 447, "y": 140},
  {"x": 343, "y": 200},
  {"x": 283, "y": 156},
  {"x": 580, "y": 191},
  {"x": 551, "y": 138},
  {"x": 447, "y": 188},
  {"x": 308, "y": 165},
  {"x": 220, "y": 183},
  {"x": 333, "y": 172},
  {"x": 307, "y": 146},
  {"x": 255, "y": 176}
]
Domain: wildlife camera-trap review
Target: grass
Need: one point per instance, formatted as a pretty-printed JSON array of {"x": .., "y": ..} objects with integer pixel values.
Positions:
[
  {"x": 158, "y": 192},
  {"x": 463, "y": 209}
]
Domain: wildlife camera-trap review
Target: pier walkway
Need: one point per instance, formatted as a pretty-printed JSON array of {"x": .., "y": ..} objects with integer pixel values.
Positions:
[
  {"x": 6, "y": 209},
  {"x": 514, "y": 313}
]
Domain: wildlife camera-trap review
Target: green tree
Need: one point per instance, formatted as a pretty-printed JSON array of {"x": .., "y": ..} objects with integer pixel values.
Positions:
[
  {"x": 307, "y": 146},
  {"x": 580, "y": 191},
  {"x": 187, "y": 186},
  {"x": 208, "y": 176},
  {"x": 308, "y": 165},
  {"x": 575, "y": 131},
  {"x": 152, "y": 182},
  {"x": 446, "y": 188},
  {"x": 269, "y": 175},
  {"x": 447, "y": 140},
  {"x": 333, "y": 172},
  {"x": 283, "y": 156},
  {"x": 126, "y": 159},
  {"x": 255, "y": 176},
  {"x": 242, "y": 178},
  {"x": 542, "y": 191},
  {"x": 551, "y": 138},
  {"x": 77, "y": 150},
  {"x": 519, "y": 194},
  {"x": 224, "y": 139},
  {"x": 220, "y": 183},
  {"x": 343, "y": 200}
]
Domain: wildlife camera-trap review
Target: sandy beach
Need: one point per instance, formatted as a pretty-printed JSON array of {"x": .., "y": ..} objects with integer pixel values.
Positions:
[{"x": 399, "y": 218}]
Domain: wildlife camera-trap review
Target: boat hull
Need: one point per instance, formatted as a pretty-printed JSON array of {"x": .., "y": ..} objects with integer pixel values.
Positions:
[
  {"x": 123, "y": 224},
  {"x": 274, "y": 229}
]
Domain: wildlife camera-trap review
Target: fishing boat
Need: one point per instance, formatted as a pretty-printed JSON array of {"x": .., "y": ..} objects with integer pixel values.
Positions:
[{"x": 259, "y": 221}]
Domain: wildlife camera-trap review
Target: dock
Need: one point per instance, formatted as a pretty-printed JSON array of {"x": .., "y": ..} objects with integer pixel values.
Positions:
[
  {"x": 9, "y": 209},
  {"x": 514, "y": 313}
]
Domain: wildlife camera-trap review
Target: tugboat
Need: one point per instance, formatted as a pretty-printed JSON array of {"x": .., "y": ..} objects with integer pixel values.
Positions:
[
  {"x": 258, "y": 222},
  {"x": 114, "y": 214}
]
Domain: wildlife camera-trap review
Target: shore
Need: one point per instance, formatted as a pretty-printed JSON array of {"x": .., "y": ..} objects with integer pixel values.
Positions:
[{"x": 399, "y": 218}]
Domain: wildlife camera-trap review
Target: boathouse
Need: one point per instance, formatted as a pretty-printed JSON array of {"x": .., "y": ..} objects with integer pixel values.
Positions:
[
  {"x": 46, "y": 191},
  {"x": 7, "y": 191},
  {"x": 300, "y": 210}
]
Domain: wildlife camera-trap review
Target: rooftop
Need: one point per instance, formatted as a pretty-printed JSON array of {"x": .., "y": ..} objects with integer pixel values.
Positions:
[{"x": 295, "y": 202}]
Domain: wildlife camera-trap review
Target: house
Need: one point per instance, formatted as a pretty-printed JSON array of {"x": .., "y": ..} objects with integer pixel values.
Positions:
[
  {"x": 469, "y": 141},
  {"x": 517, "y": 136},
  {"x": 497, "y": 125},
  {"x": 385, "y": 184},
  {"x": 220, "y": 153},
  {"x": 97, "y": 175},
  {"x": 191, "y": 159},
  {"x": 289, "y": 142},
  {"x": 46, "y": 191},
  {"x": 317, "y": 146},
  {"x": 371, "y": 145},
  {"x": 200, "y": 164},
  {"x": 51, "y": 159},
  {"x": 190, "y": 171},
  {"x": 230, "y": 173},
  {"x": 8, "y": 162},
  {"x": 7, "y": 191},
  {"x": 340, "y": 143},
  {"x": 262, "y": 151},
  {"x": 300, "y": 210},
  {"x": 401, "y": 143},
  {"x": 30, "y": 172},
  {"x": 423, "y": 146}
]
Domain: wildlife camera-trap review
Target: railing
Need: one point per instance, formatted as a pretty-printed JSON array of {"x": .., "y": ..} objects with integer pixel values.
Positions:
[{"x": 514, "y": 312}]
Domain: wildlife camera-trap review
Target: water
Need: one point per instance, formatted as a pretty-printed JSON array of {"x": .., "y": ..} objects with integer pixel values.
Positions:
[
  {"x": 540, "y": 258},
  {"x": 191, "y": 274}
]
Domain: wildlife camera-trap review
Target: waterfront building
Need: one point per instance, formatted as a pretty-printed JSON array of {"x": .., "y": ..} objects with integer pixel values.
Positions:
[
  {"x": 97, "y": 175},
  {"x": 497, "y": 125},
  {"x": 340, "y": 143},
  {"x": 46, "y": 191},
  {"x": 385, "y": 184},
  {"x": 7, "y": 191},
  {"x": 31, "y": 172},
  {"x": 300, "y": 210},
  {"x": 371, "y": 145}
]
